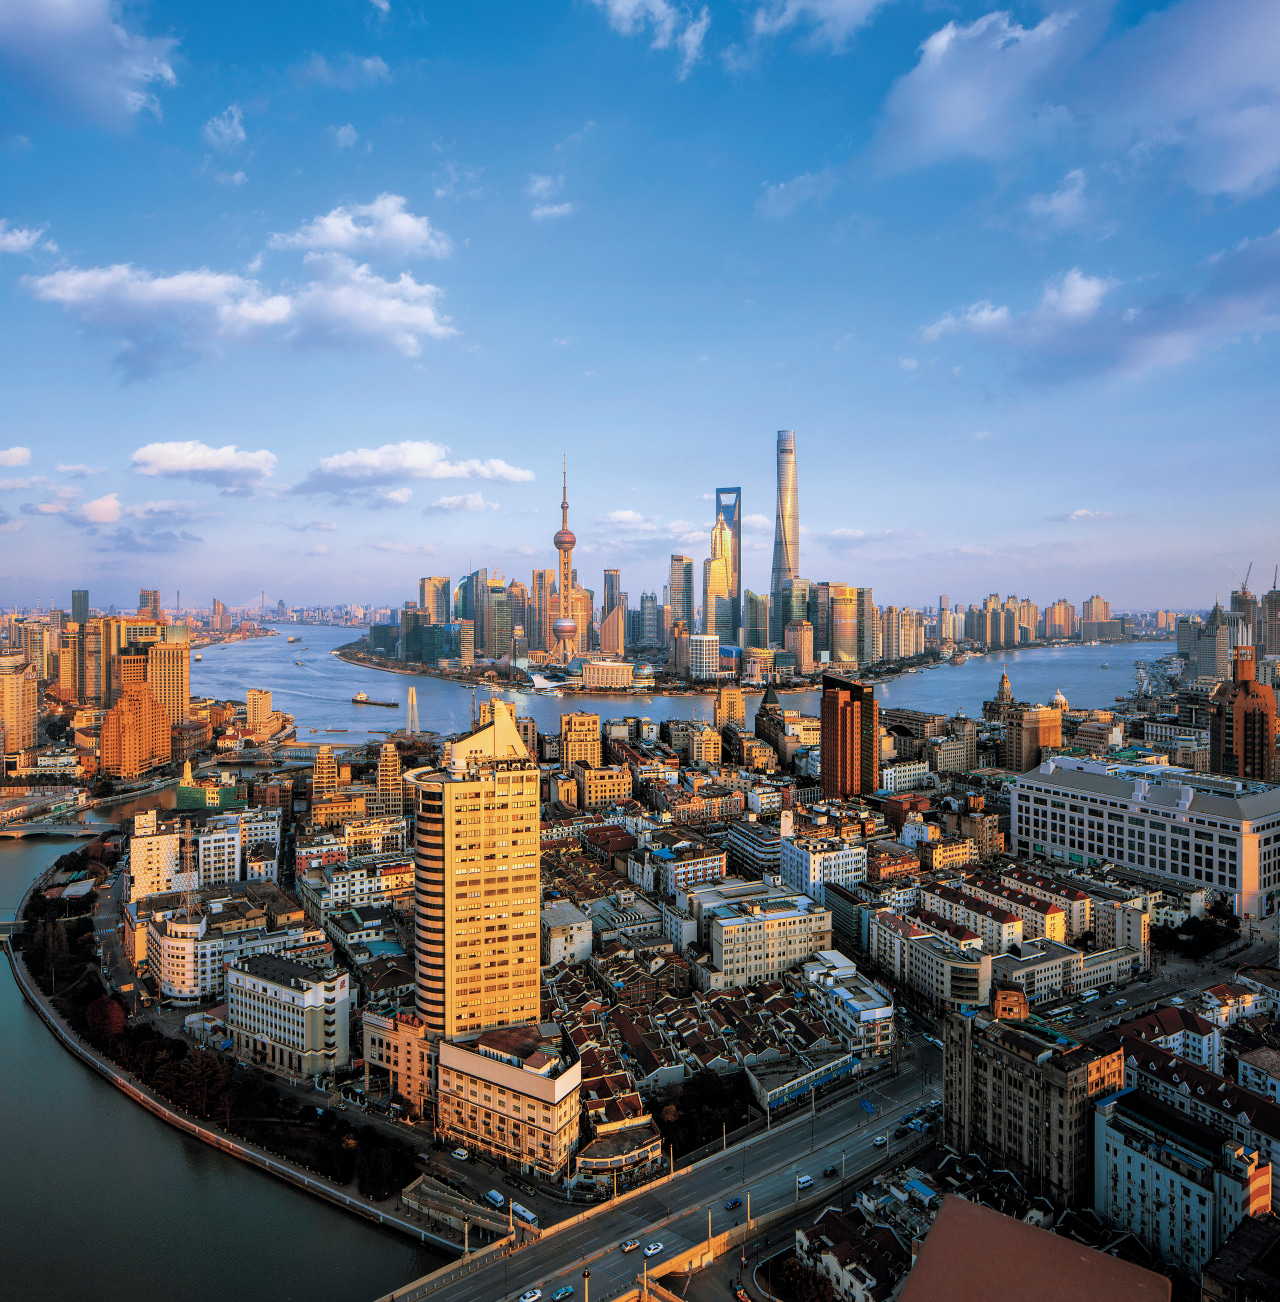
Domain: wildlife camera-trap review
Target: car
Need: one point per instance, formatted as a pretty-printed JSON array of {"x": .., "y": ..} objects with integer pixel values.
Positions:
[
  {"x": 1120, "y": 1003},
  {"x": 531, "y": 1296},
  {"x": 804, "y": 1181},
  {"x": 1176, "y": 1001},
  {"x": 880, "y": 1141},
  {"x": 935, "y": 1103},
  {"x": 732, "y": 1203},
  {"x": 461, "y": 1155},
  {"x": 631, "y": 1245},
  {"x": 561, "y": 1293},
  {"x": 901, "y": 1130},
  {"x": 829, "y": 1171},
  {"x": 651, "y": 1250}
]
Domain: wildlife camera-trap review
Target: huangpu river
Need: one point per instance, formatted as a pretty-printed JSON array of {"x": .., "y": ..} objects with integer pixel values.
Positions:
[{"x": 101, "y": 1200}]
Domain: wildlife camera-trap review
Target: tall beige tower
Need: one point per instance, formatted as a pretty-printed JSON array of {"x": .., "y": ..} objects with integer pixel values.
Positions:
[
  {"x": 390, "y": 785},
  {"x": 19, "y": 704},
  {"x": 257, "y": 706},
  {"x": 477, "y": 898},
  {"x": 169, "y": 677},
  {"x": 324, "y": 773},
  {"x": 717, "y": 584}
]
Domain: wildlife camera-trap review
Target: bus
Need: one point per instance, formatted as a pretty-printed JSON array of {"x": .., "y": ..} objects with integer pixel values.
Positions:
[
  {"x": 1089, "y": 998},
  {"x": 525, "y": 1215}
]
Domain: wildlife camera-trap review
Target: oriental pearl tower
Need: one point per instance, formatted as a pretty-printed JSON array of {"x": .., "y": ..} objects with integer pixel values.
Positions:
[{"x": 565, "y": 629}]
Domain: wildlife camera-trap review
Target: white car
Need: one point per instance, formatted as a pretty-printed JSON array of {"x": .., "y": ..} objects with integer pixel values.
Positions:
[
  {"x": 880, "y": 1141},
  {"x": 651, "y": 1251},
  {"x": 460, "y": 1154},
  {"x": 531, "y": 1296}
]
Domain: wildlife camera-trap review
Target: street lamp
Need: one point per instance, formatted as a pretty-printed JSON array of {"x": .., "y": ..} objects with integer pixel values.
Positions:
[{"x": 586, "y": 1286}]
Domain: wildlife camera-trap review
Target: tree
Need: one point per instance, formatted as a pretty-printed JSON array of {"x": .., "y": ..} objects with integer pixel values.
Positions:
[
  {"x": 105, "y": 1019},
  {"x": 795, "y": 1282}
]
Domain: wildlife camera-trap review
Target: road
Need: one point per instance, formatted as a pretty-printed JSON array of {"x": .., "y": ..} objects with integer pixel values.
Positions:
[{"x": 676, "y": 1214}]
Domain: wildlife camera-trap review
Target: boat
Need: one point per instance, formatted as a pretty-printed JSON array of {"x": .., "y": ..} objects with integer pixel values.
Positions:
[
  {"x": 363, "y": 698},
  {"x": 295, "y": 639},
  {"x": 199, "y": 656},
  {"x": 337, "y": 730},
  {"x": 298, "y": 663},
  {"x": 1105, "y": 665}
]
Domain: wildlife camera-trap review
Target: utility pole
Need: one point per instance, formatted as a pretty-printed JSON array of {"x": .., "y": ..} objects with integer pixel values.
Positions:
[{"x": 586, "y": 1286}]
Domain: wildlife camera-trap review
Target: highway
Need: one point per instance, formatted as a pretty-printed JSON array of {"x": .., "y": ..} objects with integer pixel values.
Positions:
[{"x": 675, "y": 1214}]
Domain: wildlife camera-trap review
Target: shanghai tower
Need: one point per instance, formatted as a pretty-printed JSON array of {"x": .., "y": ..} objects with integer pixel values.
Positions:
[{"x": 786, "y": 535}]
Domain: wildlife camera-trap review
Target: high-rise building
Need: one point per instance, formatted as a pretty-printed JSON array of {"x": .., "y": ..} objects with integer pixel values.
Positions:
[
  {"x": 257, "y": 706},
  {"x": 1095, "y": 610},
  {"x": 149, "y": 603},
  {"x": 1059, "y": 621},
  {"x": 136, "y": 734},
  {"x": 324, "y": 773},
  {"x": 755, "y": 620},
  {"x": 786, "y": 532},
  {"x": 1246, "y": 605},
  {"x": 433, "y": 599},
  {"x": 79, "y": 606},
  {"x": 613, "y": 632},
  {"x": 566, "y": 630},
  {"x": 19, "y": 707},
  {"x": 680, "y": 584},
  {"x": 729, "y": 509},
  {"x": 850, "y": 744},
  {"x": 1242, "y": 724},
  {"x": 717, "y": 584},
  {"x": 518, "y": 608},
  {"x": 870, "y": 640},
  {"x": 390, "y": 786},
  {"x": 540, "y": 615},
  {"x": 1028, "y": 731},
  {"x": 730, "y": 707},
  {"x": 1211, "y": 654},
  {"x": 612, "y": 589},
  {"x": 820, "y": 616},
  {"x": 798, "y": 639},
  {"x": 843, "y": 624},
  {"x": 497, "y": 620},
  {"x": 477, "y": 834},
  {"x": 649, "y": 633},
  {"x": 1269, "y": 619},
  {"x": 579, "y": 739},
  {"x": 169, "y": 676}
]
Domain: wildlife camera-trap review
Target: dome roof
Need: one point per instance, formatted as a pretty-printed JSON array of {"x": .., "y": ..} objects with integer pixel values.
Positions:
[
  {"x": 565, "y": 540},
  {"x": 564, "y": 629},
  {"x": 1060, "y": 701}
]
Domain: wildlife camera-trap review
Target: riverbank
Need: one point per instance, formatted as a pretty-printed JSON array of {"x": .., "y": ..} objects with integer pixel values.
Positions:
[{"x": 161, "y": 1108}]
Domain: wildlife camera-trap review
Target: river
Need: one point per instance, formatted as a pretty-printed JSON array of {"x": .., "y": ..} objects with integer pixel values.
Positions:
[{"x": 102, "y": 1200}]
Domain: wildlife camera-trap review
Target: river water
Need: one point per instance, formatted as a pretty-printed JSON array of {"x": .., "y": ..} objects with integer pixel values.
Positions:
[{"x": 101, "y": 1200}]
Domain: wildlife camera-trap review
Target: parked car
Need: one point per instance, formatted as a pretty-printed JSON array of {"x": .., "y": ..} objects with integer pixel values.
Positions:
[
  {"x": 461, "y": 1155},
  {"x": 732, "y": 1203},
  {"x": 651, "y": 1250},
  {"x": 631, "y": 1245}
]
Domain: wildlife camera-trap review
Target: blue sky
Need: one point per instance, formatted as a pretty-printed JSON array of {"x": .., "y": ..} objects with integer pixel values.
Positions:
[{"x": 316, "y": 305}]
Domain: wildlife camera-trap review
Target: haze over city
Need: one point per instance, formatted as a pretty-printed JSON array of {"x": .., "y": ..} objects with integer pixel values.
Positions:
[{"x": 340, "y": 294}]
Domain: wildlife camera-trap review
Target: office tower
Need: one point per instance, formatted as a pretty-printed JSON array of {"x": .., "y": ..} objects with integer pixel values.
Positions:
[
  {"x": 798, "y": 639},
  {"x": 473, "y": 591},
  {"x": 149, "y": 603},
  {"x": 579, "y": 739},
  {"x": 870, "y": 646},
  {"x": 850, "y": 746},
  {"x": 1242, "y": 723},
  {"x": 518, "y": 606},
  {"x": 717, "y": 584},
  {"x": 786, "y": 532},
  {"x": 843, "y": 624},
  {"x": 565, "y": 630},
  {"x": 612, "y": 587},
  {"x": 680, "y": 586},
  {"x": 257, "y": 707},
  {"x": 731, "y": 707},
  {"x": 79, "y": 606},
  {"x": 613, "y": 631},
  {"x": 497, "y": 620},
  {"x": 1028, "y": 731},
  {"x": 1059, "y": 620},
  {"x": 411, "y": 621},
  {"x": 324, "y": 774},
  {"x": 169, "y": 677},
  {"x": 433, "y": 599},
  {"x": 1028, "y": 620},
  {"x": 664, "y": 625},
  {"x": 476, "y": 835},
  {"x": 820, "y": 616},
  {"x": 1268, "y": 619},
  {"x": 729, "y": 509},
  {"x": 390, "y": 787},
  {"x": 944, "y": 604},
  {"x": 755, "y": 624},
  {"x": 1095, "y": 610},
  {"x": 19, "y": 707},
  {"x": 136, "y": 734},
  {"x": 649, "y": 619},
  {"x": 540, "y": 610},
  {"x": 1211, "y": 650}
]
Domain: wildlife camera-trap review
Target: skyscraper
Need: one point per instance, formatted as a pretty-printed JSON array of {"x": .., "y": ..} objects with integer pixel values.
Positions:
[
  {"x": 755, "y": 625},
  {"x": 149, "y": 603},
  {"x": 472, "y": 976},
  {"x": 717, "y": 584},
  {"x": 565, "y": 630},
  {"x": 19, "y": 706},
  {"x": 169, "y": 677},
  {"x": 820, "y": 615},
  {"x": 786, "y": 532},
  {"x": 850, "y": 738},
  {"x": 518, "y": 605},
  {"x": 539, "y": 610},
  {"x": 843, "y": 625},
  {"x": 681, "y": 586},
  {"x": 649, "y": 633},
  {"x": 433, "y": 599},
  {"x": 79, "y": 606},
  {"x": 1242, "y": 723},
  {"x": 729, "y": 507},
  {"x": 612, "y": 587}
]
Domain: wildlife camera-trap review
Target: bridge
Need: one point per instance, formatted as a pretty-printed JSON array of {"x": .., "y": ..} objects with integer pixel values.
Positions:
[{"x": 16, "y": 831}]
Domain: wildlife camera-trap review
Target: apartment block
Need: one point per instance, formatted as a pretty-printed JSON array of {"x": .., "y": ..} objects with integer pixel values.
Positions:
[
  {"x": 810, "y": 863},
  {"x": 1075, "y": 902},
  {"x": 566, "y": 934},
  {"x": 378, "y": 879},
  {"x": 601, "y": 785},
  {"x": 999, "y": 927},
  {"x": 579, "y": 739},
  {"x": 759, "y": 940},
  {"x": 1041, "y": 919}
]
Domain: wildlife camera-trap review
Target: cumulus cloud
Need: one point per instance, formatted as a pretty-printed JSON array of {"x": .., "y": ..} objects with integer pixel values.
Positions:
[
  {"x": 543, "y": 187},
  {"x": 102, "y": 510},
  {"x": 545, "y": 211},
  {"x": 364, "y": 469},
  {"x": 225, "y": 130},
  {"x": 15, "y": 456},
  {"x": 81, "y": 59},
  {"x": 173, "y": 508},
  {"x": 1064, "y": 207},
  {"x": 352, "y": 73},
  {"x": 345, "y": 137},
  {"x": 383, "y": 226},
  {"x": 172, "y": 320},
  {"x": 462, "y": 502},
  {"x": 784, "y": 198},
  {"x": 228, "y": 468},
  {"x": 627, "y": 517},
  {"x": 981, "y": 318},
  {"x": 21, "y": 239},
  {"x": 671, "y": 25},
  {"x": 831, "y": 21}
]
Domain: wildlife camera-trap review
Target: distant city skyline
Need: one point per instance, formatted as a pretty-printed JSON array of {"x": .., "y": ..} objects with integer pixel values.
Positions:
[{"x": 278, "y": 300}]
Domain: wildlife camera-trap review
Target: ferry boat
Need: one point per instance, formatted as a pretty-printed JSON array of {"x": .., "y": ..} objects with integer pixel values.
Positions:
[
  {"x": 294, "y": 639},
  {"x": 1105, "y": 665},
  {"x": 362, "y": 698},
  {"x": 199, "y": 656},
  {"x": 298, "y": 663}
]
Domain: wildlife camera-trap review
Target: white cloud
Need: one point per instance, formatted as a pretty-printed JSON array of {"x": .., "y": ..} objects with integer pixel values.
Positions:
[
  {"x": 1065, "y": 207},
  {"x": 397, "y": 496},
  {"x": 15, "y": 456},
  {"x": 353, "y": 73},
  {"x": 383, "y": 226},
  {"x": 230, "y": 178},
  {"x": 382, "y": 6},
  {"x": 831, "y": 20},
  {"x": 625, "y": 517},
  {"x": 78, "y": 471},
  {"x": 544, "y": 211},
  {"x": 982, "y": 318},
  {"x": 314, "y": 526},
  {"x": 393, "y": 463},
  {"x": 670, "y": 24},
  {"x": 225, "y": 130},
  {"x": 543, "y": 187},
  {"x": 78, "y": 57},
  {"x": 227, "y": 468},
  {"x": 463, "y": 502},
  {"x": 784, "y": 198},
  {"x": 757, "y": 522},
  {"x": 405, "y": 549},
  {"x": 173, "y": 508},
  {"x": 169, "y": 320},
  {"x": 1082, "y": 515},
  {"x": 909, "y": 363},
  {"x": 1074, "y": 296},
  {"x": 102, "y": 510},
  {"x": 318, "y": 550},
  {"x": 346, "y": 136},
  {"x": 20, "y": 239}
]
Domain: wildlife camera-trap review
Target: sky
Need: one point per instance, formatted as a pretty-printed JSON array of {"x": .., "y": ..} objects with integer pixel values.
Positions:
[{"x": 315, "y": 300}]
